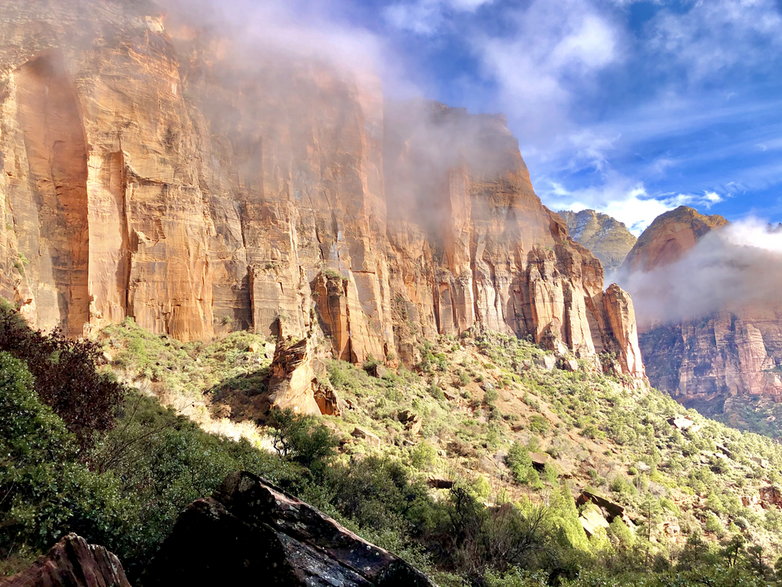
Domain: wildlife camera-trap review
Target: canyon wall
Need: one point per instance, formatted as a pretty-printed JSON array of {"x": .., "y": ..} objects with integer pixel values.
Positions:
[
  {"x": 150, "y": 170},
  {"x": 727, "y": 351}
]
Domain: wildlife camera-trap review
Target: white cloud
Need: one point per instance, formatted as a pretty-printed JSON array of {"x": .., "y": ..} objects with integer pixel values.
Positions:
[
  {"x": 727, "y": 269},
  {"x": 714, "y": 35},
  {"x": 541, "y": 70},
  {"x": 426, "y": 17},
  {"x": 624, "y": 199},
  {"x": 303, "y": 28},
  {"x": 754, "y": 232}
]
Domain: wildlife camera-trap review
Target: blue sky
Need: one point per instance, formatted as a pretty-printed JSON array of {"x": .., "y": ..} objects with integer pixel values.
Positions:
[{"x": 631, "y": 107}]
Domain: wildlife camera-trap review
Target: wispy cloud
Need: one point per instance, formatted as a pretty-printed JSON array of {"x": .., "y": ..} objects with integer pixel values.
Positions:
[
  {"x": 713, "y": 36},
  {"x": 728, "y": 268},
  {"x": 552, "y": 52},
  {"x": 426, "y": 17},
  {"x": 674, "y": 123}
]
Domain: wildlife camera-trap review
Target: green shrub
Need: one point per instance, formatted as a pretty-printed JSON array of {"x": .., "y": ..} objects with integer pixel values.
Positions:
[
  {"x": 713, "y": 524},
  {"x": 520, "y": 464},
  {"x": 490, "y": 396},
  {"x": 538, "y": 424},
  {"x": 45, "y": 492},
  {"x": 301, "y": 438},
  {"x": 423, "y": 456},
  {"x": 65, "y": 375},
  {"x": 163, "y": 462}
]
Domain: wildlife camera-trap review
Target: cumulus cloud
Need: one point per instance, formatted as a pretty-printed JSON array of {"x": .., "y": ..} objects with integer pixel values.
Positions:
[
  {"x": 727, "y": 269},
  {"x": 626, "y": 200}
]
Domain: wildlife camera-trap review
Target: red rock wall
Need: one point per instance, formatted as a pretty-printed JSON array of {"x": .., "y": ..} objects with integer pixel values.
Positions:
[
  {"x": 733, "y": 352},
  {"x": 200, "y": 193}
]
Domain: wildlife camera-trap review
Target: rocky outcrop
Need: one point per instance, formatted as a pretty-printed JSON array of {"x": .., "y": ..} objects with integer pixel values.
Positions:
[
  {"x": 597, "y": 513},
  {"x": 621, "y": 316},
  {"x": 251, "y": 532},
  {"x": 668, "y": 237},
  {"x": 75, "y": 563},
  {"x": 293, "y": 382},
  {"x": 150, "y": 171},
  {"x": 606, "y": 237},
  {"x": 704, "y": 363},
  {"x": 712, "y": 361},
  {"x": 292, "y": 377}
]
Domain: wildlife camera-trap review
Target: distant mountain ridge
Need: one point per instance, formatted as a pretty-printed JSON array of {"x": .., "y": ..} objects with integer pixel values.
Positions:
[{"x": 607, "y": 238}]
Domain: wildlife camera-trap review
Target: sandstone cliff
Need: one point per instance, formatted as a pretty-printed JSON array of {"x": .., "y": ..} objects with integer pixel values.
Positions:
[
  {"x": 715, "y": 356},
  {"x": 668, "y": 237},
  {"x": 606, "y": 237},
  {"x": 150, "y": 171}
]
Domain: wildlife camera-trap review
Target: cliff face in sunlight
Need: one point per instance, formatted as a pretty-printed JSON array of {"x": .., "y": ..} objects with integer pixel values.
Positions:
[
  {"x": 606, "y": 237},
  {"x": 713, "y": 360},
  {"x": 669, "y": 237},
  {"x": 147, "y": 171}
]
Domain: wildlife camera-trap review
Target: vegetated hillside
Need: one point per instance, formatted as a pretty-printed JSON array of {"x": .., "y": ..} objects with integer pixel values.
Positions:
[
  {"x": 509, "y": 422},
  {"x": 605, "y": 236},
  {"x": 724, "y": 362},
  {"x": 517, "y": 431}
]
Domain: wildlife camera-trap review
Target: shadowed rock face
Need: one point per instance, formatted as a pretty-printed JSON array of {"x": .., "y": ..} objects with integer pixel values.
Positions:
[
  {"x": 606, "y": 237},
  {"x": 74, "y": 563},
  {"x": 197, "y": 193},
  {"x": 709, "y": 362},
  {"x": 251, "y": 533}
]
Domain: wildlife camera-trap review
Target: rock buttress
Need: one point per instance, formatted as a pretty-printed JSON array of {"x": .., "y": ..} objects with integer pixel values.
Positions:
[{"x": 210, "y": 194}]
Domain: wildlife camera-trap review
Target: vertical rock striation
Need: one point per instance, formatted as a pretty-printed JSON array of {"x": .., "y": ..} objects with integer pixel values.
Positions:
[
  {"x": 149, "y": 171},
  {"x": 711, "y": 360}
]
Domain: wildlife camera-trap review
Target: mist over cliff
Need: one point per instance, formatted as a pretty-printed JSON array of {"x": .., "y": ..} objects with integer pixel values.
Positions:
[
  {"x": 202, "y": 173},
  {"x": 735, "y": 266}
]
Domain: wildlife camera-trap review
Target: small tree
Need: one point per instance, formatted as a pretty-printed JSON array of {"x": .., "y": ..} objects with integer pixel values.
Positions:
[{"x": 301, "y": 438}]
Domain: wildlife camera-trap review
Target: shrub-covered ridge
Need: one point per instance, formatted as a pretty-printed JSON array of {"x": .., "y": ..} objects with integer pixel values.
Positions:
[{"x": 514, "y": 439}]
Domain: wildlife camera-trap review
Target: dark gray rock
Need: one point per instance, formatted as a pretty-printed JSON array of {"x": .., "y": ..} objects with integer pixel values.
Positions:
[{"x": 253, "y": 533}]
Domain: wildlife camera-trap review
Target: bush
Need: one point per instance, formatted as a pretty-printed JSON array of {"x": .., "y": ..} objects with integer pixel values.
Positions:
[
  {"x": 520, "y": 464},
  {"x": 423, "y": 456},
  {"x": 164, "y": 462},
  {"x": 538, "y": 424},
  {"x": 29, "y": 431},
  {"x": 379, "y": 493},
  {"x": 45, "y": 492},
  {"x": 65, "y": 376},
  {"x": 301, "y": 439}
]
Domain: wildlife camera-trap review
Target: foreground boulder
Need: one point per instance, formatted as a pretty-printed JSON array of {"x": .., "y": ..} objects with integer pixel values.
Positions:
[
  {"x": 252, "y": 533},
  {"x": 74, "y": 563}
]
